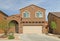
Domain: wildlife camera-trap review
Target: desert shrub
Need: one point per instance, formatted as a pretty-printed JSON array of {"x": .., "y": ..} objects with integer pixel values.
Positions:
[{"x": 11, "y": 36}]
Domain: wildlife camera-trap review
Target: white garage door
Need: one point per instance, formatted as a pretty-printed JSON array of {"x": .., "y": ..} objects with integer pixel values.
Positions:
[{"x": 32, "y": 29}]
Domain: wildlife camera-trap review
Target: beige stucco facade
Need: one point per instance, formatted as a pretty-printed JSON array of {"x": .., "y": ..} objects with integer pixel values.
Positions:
[{"x": 31, "y": 21}]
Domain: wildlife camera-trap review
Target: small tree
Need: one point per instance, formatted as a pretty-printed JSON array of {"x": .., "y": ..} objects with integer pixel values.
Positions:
[
  {"x": 5, "y": 26},
  {"x": 53, "y": 25}
]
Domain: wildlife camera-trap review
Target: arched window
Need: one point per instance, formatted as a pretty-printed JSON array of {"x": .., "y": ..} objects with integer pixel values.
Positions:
[
  {"x": 26, "y": 14},
  {"x": 39, "y": 14}
]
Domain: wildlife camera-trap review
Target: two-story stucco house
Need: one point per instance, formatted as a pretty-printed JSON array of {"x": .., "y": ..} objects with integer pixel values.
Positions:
[
  {"x": 30, "y": 20},
  {"x": 55, "y": 17}
]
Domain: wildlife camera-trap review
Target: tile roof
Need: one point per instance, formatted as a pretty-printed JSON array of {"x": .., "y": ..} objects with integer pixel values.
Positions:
[
  {"x": 33, "y": 5},
  {"x": 3, "y": 13},
  {"x": 56, "y": 13}
]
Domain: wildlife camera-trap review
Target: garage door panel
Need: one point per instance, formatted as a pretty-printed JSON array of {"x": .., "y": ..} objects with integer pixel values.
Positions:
[{"x": 32, "y": 29}]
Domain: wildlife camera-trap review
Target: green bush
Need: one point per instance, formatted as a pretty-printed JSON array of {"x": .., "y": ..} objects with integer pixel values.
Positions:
[
  {"x": 11, "y": 37},
  {"x": 53, "y": 25}
]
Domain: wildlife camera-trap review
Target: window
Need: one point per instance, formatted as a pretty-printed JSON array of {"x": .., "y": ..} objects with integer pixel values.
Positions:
[
  {"x": 26, "y": 14},
  {"x": 39, "y": 14}
]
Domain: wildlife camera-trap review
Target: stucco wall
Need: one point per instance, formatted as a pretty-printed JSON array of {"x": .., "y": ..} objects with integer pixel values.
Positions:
[{"x": 57, "y": 21}]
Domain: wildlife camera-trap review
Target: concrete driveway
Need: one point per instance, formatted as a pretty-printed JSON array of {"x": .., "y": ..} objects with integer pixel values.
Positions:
[{"x": 36, "y": 37}]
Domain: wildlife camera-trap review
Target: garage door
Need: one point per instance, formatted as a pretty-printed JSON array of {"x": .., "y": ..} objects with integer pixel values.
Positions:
[{"x": 32, "y": 29}]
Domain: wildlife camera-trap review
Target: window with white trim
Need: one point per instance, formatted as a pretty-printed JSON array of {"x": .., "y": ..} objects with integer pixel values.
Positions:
[
  {"x": 39, "y": 14},
  {"x": 26, "y": 14}
]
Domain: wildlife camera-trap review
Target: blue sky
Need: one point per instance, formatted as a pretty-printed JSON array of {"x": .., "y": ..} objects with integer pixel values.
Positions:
[{"x": 11, "y": 7}]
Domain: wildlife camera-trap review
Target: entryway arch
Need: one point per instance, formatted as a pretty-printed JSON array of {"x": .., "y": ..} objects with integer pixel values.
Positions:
[{"x": 15, "y": 24}]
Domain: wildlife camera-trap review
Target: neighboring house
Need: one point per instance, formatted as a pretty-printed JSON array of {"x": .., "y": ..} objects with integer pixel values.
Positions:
[
  {"x": 3, "y": 16},
  {"x": 30, "y": 20},
  {"x": 54, "y": 16}
]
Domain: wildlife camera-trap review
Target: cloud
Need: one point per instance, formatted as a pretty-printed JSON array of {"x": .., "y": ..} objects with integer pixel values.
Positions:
[
  {"x": 8, "y": 4},
  {"x": 50, "y": 6},
  {"x": 35, "y": 1},
  {"x": 13, "y": 6},
  {"x": 16, "y": 4}
]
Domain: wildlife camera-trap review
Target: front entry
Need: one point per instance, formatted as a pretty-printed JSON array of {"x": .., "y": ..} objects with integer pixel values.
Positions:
[
  {"x": 14, "y": 24},
  {"x": 32, "y": 29}
]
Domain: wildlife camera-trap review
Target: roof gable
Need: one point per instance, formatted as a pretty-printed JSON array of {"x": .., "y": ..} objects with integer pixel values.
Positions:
[
  {"x": 3, "y": 13},
  {"x": 55, "y": 13},
  {"x": 32, "y": 6}
]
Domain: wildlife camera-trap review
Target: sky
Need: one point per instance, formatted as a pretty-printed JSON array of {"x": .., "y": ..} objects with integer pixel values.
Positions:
[{"x": 11, "y": 7}]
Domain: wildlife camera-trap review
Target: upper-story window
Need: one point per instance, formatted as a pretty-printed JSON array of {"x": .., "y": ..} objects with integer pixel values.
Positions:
[
  {"x": 26, "y": 14},
  {"x": 39, "y": 14}
]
